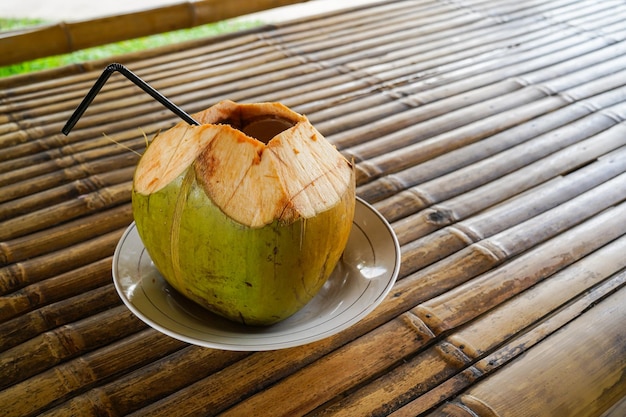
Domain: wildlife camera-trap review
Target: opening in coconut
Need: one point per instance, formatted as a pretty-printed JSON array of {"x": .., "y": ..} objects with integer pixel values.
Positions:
[{"x": 263, "y": 129}]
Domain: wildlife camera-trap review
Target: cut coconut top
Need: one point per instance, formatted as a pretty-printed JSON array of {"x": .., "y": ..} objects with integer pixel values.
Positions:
[{"x": 257, "y": 162}]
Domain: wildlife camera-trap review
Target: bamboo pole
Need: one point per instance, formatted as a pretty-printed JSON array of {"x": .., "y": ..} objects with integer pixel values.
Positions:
[
  {"x": 439, "y": 244},
  {"x": 580, "y": 284},
  {"x": 89, "y": 203},
  {"x": 30, "y": 172},
  {"x": 53, "y": 385},
  {"x": 397, "y": 70},
  {"x": 420, "y": 372},
  {"x": 398, "y": 337},
  {"x": 51, "y": 348},
  {"x": 566, "y": 50},
  {"x": 446, "y": 48},
  {"x": 506, "y": 323},
  {"x": 21, "y": 274},
  {"x": 54, "y": 289},
  {"x": 388, "y": 185},
  {"x": 618, "y": 409},
  {"x": 560, "y": 162},
  {"x": 468, "y": 183},
  {"x": 53, "y": 138},
  {"x": 398, "y": 132},
  {"x": 59, "y": 194},
  {"x": 434, "y": 146},
  {"x": 70, "y": 233},
  {"x": 593, "y": 379},
  {"x": 458, "y": 268},
  {"x": 461, "y": 304},
  {"x": 504, "y": 354},
  {"x": 149, "y": 383},
  {"x": 72, "y": 308},
  {"x": 68, "y": 37}
]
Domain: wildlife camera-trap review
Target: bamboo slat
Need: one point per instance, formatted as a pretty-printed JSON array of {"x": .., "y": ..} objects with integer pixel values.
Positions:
[
  {"x": 72, "y": 376},
  {"x": 419, "y": 253},
  {"x": 532, "y": 306},
  {"x": 150, "y": 383},
  {"x": 451, "y": 272},
  {"x": 505, "y": 354},
  {"x": 346, "y": 360},
  {"x": 616, "y": 410},
  {"x": 18, "y": 275},
  {"x": 41, "y": 219},
  {"x": 68, "y": 341},
  {"x": 428, "y": 150},
  {"x": 73, "y": 232},
  {"x": 442, "y": 313},
  {"x": 56, "y": 288},
  {"x": 540, "y": 166},
  {"x": 53, "y": 169},
  {"x": 591, "y": 377},
  {"x": 417, "y": 376},
  {"x": 533, "y": 60},
  {"x": 69, "y": 309},
  {"x": 59, "y": 194}
]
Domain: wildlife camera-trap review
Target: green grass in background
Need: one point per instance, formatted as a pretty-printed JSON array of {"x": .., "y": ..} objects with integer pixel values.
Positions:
[
  {"x": 8, "y": 24},
  {"x": 117, "y": 48}
]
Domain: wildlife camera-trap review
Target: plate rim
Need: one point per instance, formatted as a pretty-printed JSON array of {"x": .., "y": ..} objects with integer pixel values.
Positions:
[{"x": 393, "y": 274}]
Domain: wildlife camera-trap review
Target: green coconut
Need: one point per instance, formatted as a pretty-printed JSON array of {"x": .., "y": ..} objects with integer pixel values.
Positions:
[{"x": 248, "y": 213}]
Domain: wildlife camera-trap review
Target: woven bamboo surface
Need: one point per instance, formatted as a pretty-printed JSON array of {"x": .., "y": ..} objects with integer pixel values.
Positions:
[{"x": 491, "y": 134}]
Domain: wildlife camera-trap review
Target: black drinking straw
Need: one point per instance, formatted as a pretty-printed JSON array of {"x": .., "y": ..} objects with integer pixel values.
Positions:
[{"x": 135, "y": 79}]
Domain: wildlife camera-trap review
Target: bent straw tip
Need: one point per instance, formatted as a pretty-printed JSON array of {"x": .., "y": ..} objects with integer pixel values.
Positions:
[{"x": 137, "y": 81}]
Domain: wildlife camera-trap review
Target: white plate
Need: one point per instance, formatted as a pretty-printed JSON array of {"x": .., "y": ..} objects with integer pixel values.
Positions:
[{"x": 361, "y": 280}]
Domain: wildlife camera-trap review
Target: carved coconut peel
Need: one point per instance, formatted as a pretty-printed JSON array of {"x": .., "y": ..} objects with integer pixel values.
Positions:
[{"x": 251, "y": 229}]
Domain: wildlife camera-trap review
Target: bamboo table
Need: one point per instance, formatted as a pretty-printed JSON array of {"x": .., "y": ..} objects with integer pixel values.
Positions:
[{"x": 491, "y": 135}]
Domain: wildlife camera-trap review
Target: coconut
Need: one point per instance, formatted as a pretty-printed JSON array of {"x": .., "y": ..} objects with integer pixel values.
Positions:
[{"x": 246, "y": 214}]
